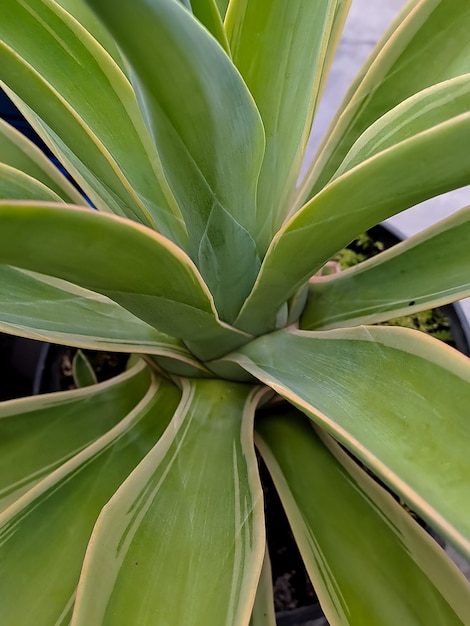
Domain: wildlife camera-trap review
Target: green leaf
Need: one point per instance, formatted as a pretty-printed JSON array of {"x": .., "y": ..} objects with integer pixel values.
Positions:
[
  {"x": 20, "y": 153},
  {"x": 426, "y": 45},
  {"x": 208, "y": 14},
  {"x": 379, "y": 392},
  {"x": 358, "y": 199},
  {"x": 208, "y": 133},
  {"x": 156, "y": 281},
  {"x": 92, "y": 122},
  {"x": 14, "y": 184},
  {"x": 39, "y": 434},
  {"x": 187, "y": 526},
  {"x": 280, "y": 48},
  {"x": 427, "y": 270},
  {"x": 83, "y": 373},
  {"x": 369, "y": 561},
  {"x": 263, "y": 608},
  {"x": 45, "y": 534},
  {"x": 222, "y": 7},
  {"x": 48, "y": 309}
]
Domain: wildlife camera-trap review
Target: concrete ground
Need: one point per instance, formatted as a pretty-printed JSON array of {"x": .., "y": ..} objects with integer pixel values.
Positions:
[{"x": 366, "y": 22}]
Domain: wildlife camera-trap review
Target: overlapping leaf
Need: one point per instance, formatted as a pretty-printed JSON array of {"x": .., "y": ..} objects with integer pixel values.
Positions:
[
  {"x": 369, "y": 560},
  {"x": 44, "y": 535},
  {"x": 208, "y": 133},
  {"x": 134, "y": 266}
]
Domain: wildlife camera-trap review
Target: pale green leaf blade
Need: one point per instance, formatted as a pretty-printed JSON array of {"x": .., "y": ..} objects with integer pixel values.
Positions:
[
  {"x": 19, "y": 152},
  {"x": 51, "y": 310},
  {"x": 280, "y": 49},
  {"x": 263, "y": 608},
  {"x": 82, "y": 370},
  {"x": 208, "y": 14},
  {"x": 14, "y": 185},
  {"x": 156, "y": 281},
  {"x": 425, "y": 271},
  {"x": 44, "y": 535},
  {"x": 429, "y": 46},
  {"x": 395, "y": 397},
  {"x": 188, "y": 523},
  {"x": 208, "y": 133},
  {"x": 49, "y": 64},
  {"x": 368, "y": 559},
  {"x": 38, "y": 434},
  {"x": 352, "y": 203},
  {"x": 222, "y": 7}
]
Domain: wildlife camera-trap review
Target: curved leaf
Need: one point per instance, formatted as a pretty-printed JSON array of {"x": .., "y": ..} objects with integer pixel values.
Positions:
[
  {"x": 100, "y": 139},
  {"x": 279, "y": 48},
  {"x": 379, "y": 187},
  {"x": 379, "y": 392},
  {"x": 426, "y": 45},
  {"x": 427, "y": 270},
  {"x": 14, "y": 184},
  {"x": 369, "y": 560},
  {"x": 20, "y": 153},
  {"x": 40, "y": 563},
  {"x": 156, "y": 281},
  {"x": 211, "y": 143},
  {"x": 51, "y": 310},
  {"x": 208, "y": 14},
  {"x": 263, "y": 608},
  {"x": 188, "y": 523}
]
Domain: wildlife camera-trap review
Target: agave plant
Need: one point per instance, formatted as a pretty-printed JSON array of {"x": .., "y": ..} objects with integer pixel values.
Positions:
[{"x": 137, "y": 501}]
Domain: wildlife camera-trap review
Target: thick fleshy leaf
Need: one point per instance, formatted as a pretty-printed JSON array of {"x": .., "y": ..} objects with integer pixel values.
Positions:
[
  {"x": 208, "y": 133},
  {"x": 187, "y": 524},
  {"x": 427, "y": 270},
  {"x": 39, "y": 434},
  {"x": 263, "y": 608},
  {"x": 368, "y": 559},
  {"x": 156, "y": 281},
  {"x": 352, "y": 203},
  {"x": 20, "y": 153},
  {"x": 280, "y": 48},
  {"x": 82, "y": 370},
  {"x": 14, "y": 184},
  {"x": 208, "y": 14},
  {"x": 101, "y": 139},
  {"x": 222, "y": 6},
  {"x": 378, "y": 390},
  {"x": 44, "y": 535},
  {"x": 51, "y": 310},
  {"x": 419, "y": 53}
]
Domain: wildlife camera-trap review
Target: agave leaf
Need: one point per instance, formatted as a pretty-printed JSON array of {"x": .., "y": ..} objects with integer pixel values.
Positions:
[
  {"x": 150, "y": 549},
  {"x": 44, "y": 535},
  {"x": 370, "y": 192},
  {"x": 52, "y": 310},
  {"x": 39, "y": 434},
  {"x": 156, "y": 281},
  {"x": 280, "y": 48},
  {"x": 211, "y": 144},
  {"x": 100, "y": 139},
  {"x": 263, "y": 608},
  {"x": 369, "y": 560},
  {"x": 208, "y": 14},
  {"x": 378, "y": 390},
  {"x": 15, "y": 184},
  {"x": 419, "y": 53},
  {"x": 82, "y": 370},
  {"x": 222, "y": 6},
  {"x": 427, "y": 270},
  {"x": 20, "y": 153}
]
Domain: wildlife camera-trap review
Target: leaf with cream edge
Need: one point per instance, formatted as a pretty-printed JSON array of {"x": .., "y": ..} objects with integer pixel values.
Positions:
[
  {"x": 378, "y": 390},
  {"x": 119, "y": 171},
  {"x": 427, "y": 270},
  {"x": 15, "y": 184},
  {"x": 399, "y": 67},
  {"x": 208, "y": 14},
  {"x": 156, "y": 281},
  {"x": 33, "y": 543},
  {"x": 345, "y": 523},
  {"x": 263, "y": 609},
  {"x": 280, "y": 48},
  {"x": 211, "y": 144},
  {"x": 150, "y": 549}
]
